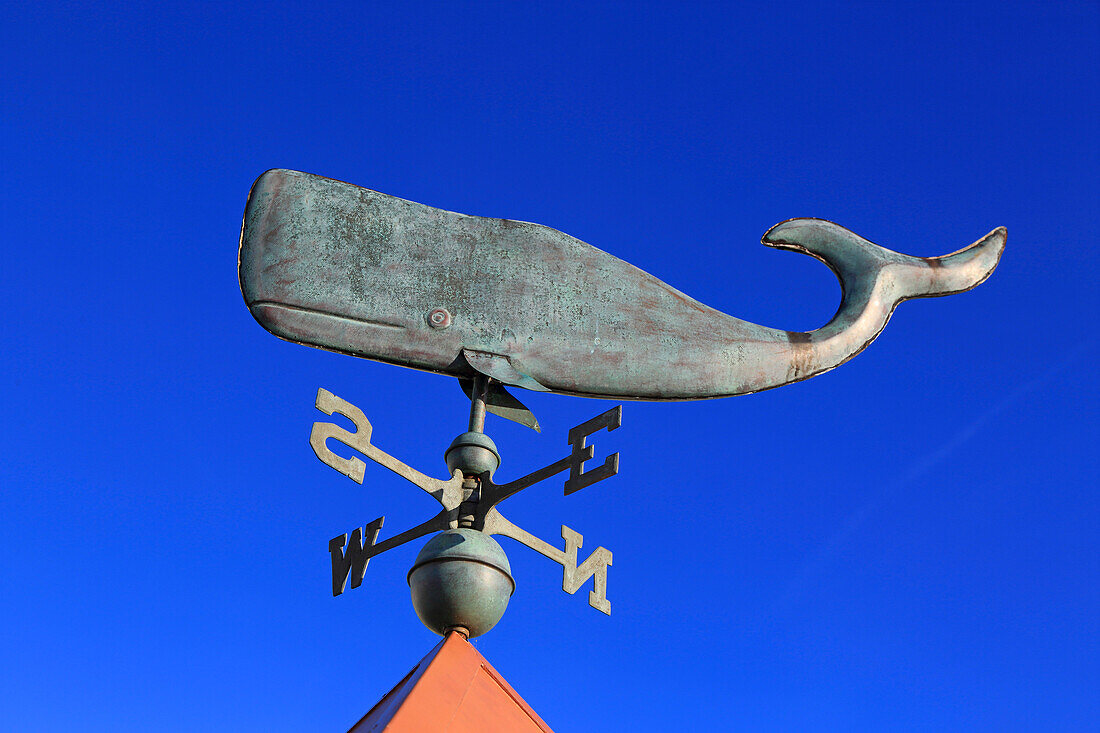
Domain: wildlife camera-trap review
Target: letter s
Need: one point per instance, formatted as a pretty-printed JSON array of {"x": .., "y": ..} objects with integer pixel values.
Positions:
[{"x": 329, "y": 403}]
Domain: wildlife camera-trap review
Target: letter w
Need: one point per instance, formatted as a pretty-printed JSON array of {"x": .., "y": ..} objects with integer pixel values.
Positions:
[
  {"x": 353, "y": 562},
  {"x": 574, "y": 577}
]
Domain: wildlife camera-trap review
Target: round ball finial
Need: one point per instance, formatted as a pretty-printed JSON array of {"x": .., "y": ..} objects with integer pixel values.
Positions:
[
  {"x": 473, "y": 453},
  {"x": 461, "y": 580}
]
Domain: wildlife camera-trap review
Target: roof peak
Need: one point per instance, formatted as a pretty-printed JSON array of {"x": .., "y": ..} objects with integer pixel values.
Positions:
[{"x": 452, "y": 690}]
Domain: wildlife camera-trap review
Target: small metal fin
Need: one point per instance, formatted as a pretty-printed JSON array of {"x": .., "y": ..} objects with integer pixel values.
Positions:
[
  {"x": 500, "y": 368},
  {"x": 502, "y": 403}
]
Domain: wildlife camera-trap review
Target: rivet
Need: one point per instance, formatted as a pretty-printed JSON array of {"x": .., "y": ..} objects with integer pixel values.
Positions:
[{"x": 439, "y": 318}]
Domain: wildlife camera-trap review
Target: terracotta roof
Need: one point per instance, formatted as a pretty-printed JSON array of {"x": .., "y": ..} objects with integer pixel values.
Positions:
[{"x": 453, "y": 690}]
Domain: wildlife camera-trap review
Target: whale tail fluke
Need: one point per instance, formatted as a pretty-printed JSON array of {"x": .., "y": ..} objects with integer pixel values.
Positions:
[
  {"x": 856, "y": 261},
  {"x": 874, "y": 280}
]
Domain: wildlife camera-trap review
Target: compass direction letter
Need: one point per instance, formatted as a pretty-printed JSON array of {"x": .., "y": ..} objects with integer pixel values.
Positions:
[
  {"x": 573, "y": 577},
  {"x": 353, "y": 468},
  {"x": 578, "y": 477},
  {"x": 354, "y": 560}
]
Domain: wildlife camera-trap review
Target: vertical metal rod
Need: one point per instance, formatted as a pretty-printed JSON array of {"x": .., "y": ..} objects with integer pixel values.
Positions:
[
  {"x": 471, "y": 486},
  {"x": 477, "y": 403}
]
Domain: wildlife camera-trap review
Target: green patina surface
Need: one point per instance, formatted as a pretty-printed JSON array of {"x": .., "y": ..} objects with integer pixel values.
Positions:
[{"x": 351, "y": 270}]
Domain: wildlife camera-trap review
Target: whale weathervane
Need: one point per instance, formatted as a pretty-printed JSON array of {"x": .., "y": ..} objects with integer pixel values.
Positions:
[
  {"x": 496, "y": 302},
  {"x": 347, "y": 269}
]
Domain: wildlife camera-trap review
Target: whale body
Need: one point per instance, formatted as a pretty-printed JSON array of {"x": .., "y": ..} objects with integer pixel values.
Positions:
[{"x": 343, "y": 268}]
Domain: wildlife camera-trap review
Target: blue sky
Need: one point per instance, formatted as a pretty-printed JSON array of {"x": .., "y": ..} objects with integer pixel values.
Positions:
[{"x": 909, "y": 542}]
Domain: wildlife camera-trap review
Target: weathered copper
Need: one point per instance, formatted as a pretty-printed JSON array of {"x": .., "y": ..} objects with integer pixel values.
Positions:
[
  {"x": 469, "y": 503},
  {"x": 461, "y": 580},
  {"x": 343, "y": 268}
]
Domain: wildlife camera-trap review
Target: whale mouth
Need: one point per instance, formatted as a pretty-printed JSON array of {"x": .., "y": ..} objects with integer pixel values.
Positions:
[
  {"x": 368, "y": 338},
  {"x": 384, "y": 340},
  {"x": 275, "y": 311}
]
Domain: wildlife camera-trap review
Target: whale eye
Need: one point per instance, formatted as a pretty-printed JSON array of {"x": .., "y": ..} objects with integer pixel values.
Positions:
[{"x": 439, "y": 318}]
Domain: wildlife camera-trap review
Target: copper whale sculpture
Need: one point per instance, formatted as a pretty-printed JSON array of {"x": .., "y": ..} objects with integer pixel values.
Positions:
[{"x": 347, "y": 269}]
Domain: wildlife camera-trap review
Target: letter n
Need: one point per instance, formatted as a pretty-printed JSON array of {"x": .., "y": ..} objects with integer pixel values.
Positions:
[{"x": 595, "y": 566}]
